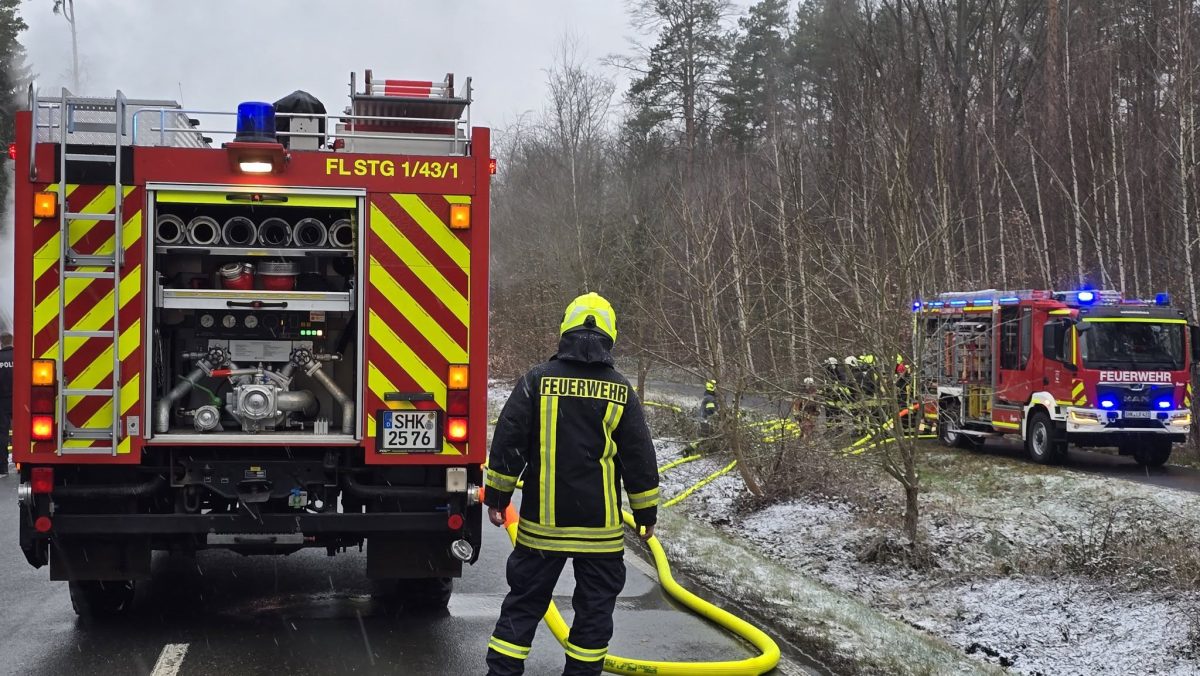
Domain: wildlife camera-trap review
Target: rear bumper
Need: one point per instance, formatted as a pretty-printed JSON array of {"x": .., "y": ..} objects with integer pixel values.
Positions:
[{"x": 313, "y": 525}]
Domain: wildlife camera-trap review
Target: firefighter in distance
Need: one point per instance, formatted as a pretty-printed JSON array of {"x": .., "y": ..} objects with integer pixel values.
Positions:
[{"x": 575, "y": 430}]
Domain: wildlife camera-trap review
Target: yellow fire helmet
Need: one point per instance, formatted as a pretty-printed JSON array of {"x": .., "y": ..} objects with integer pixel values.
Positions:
[
  {"x": 710, "y": 386},
  {"x": 604, "y": 318}
]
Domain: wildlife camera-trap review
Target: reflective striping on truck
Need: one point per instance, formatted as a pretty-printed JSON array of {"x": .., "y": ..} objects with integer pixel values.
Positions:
[
  {"x": 88, "y": 306},
  {"x": 418, "y": 296}
]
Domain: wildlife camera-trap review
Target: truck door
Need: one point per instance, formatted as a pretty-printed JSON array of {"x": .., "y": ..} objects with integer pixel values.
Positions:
[{"x": 1014, "y": 382}]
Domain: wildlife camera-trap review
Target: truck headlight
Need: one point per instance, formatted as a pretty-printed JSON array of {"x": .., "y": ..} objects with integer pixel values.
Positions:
[
  {"x": 1183, "y": 419},
  {"x": 1084, "y": 417}
]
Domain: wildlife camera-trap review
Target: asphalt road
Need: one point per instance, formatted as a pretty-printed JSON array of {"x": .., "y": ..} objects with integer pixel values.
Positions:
[
  {"x": 1106, "y": 464},
  {"x": 303, "y": 614}
]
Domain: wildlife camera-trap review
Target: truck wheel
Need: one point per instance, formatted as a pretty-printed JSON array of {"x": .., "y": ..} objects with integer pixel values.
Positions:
[
  {"x": 951, "y": 436},
  {"x": 1152, "y": 454},
  {"x": 1042, "y": 440},
  {"x": 101, "y": 598}
]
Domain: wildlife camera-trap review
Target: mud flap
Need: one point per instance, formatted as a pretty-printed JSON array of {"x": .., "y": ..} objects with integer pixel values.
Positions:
[
  {"x": 87, "y": 559},
  {"x": 410, "y": 557}
]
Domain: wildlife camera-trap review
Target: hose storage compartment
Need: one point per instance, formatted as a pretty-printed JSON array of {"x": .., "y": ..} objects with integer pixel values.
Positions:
[
  {"x": 203, "y": 231},
  {"x": 239, "y": 231},
  {"x": 275, "y": 233}
]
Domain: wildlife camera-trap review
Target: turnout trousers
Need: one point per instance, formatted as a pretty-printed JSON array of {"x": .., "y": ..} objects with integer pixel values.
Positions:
[{"x": 531, "y": 580}]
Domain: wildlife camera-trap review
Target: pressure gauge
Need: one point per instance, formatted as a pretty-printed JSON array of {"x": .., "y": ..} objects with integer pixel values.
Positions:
[
  {"x": 207, "y": 321},
  {"x": 229, "y": 321},
  {"x": 251, "y": 322}
]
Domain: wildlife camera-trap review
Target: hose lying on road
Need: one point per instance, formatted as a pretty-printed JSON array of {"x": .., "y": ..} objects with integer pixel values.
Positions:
[{"x": 752, "y": 666}]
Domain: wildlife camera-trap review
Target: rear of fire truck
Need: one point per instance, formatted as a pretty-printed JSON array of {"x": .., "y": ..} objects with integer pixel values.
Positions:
[
  {"x": 265, "y": 344},
  {"x": 1087, "y": 368}
]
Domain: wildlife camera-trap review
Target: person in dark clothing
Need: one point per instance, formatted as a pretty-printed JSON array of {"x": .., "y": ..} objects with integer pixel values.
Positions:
[
  {"x": 6, "y": 388},
  {"x": 575, "y": 430}
]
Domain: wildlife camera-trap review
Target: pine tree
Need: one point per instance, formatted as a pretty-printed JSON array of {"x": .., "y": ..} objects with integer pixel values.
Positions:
[{"x": 755, "y": 72}]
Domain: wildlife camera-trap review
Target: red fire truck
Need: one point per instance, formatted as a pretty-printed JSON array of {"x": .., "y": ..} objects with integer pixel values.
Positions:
[
  {"x": 264, "y": 344},
  {"x": 1088, "y": 368}
]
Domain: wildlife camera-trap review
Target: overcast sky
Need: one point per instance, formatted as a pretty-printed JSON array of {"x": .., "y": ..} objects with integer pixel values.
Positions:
[{"x": 221, "y": 52}]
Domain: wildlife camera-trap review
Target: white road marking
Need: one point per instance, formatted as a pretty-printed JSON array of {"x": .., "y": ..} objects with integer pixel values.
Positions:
[{"x": 170, "y": 659}]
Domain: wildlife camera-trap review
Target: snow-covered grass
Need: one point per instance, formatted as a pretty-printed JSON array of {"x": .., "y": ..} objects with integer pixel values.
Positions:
[{"x": 1036, "y": 569}]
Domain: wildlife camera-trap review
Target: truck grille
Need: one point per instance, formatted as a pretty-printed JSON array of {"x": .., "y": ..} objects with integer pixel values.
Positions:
[{"x": 1136, "y": 397}]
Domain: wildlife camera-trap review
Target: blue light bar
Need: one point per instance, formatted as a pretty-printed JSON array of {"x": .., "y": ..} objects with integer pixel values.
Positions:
[
  {"x": 1163, "y": 298},
  {"x": 1164, "y": 403},
  {"x": 982, "y": 301},
  {"x": 958, "y": 303},
  {"x": 1009, "y": 300},
  {"x": 937, "y": 303},
  {"x": 1107, "y": 403},
  {"x": 255, "y": 122},
  {"x": 1086, "y": 297}
]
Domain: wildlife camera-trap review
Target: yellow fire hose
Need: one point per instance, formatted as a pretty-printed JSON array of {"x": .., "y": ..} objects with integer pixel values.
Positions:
[
  {"x": 613, "y": 664},
  {"x": 675, "y": 463}
]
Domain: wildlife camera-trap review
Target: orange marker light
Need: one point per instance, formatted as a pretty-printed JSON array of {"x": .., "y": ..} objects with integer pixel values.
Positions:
[
  {"x": 43, "y": 372},
  {"x": 45, "y": 205},
  {"x": 456, "y": 429},
  {"x": 458, "y": 377},
  {"x": 492, "y": 167},
  {"x": 460, "y": 216},
  {"x": 42, "y": 427}
]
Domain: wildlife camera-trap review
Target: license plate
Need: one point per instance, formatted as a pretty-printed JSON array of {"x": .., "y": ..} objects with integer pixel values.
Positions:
[
  {"x": 409, "y": 432},
  {"x": 1139, "y": 414}
]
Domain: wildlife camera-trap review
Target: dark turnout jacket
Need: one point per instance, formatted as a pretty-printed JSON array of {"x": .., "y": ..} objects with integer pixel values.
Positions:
[{"x": 574, "y": 429}]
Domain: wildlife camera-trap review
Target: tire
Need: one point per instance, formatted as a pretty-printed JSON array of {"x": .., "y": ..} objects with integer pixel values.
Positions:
[
  {"x": 1152, "y": 453},
  {"x": 98, "y": 599},
  {"x": 1042, "y": 440},
  {"x": 949, "y": 434}
]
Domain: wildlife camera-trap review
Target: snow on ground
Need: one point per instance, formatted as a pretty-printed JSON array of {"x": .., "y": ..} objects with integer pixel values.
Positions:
[{"x": 1034, "y": 624}]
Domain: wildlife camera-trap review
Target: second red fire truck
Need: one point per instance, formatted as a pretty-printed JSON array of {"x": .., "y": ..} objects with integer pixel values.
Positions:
[{"x": 1087, "y": 368}]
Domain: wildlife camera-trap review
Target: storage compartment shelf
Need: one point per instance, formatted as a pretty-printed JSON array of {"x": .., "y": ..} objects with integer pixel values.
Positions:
[
  {"x": 227, "y": 299},
  {"x": 250, "y": 251}
]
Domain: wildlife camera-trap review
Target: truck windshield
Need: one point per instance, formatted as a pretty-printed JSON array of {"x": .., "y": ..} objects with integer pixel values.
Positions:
[{"x": 1132, "y": 345}]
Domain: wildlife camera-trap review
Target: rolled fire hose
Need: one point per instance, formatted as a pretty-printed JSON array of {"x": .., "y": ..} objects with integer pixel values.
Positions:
[
  {"x": 274, "y": 232},
  {"x": 341, "y": 234},
  {"x": 310, "y": 233},
  {"x": 613, "y": 664},
  {"x": 239, "y": 231},
  {"x": 169, "y": 229},
  {"x": 203, "y": 231}
]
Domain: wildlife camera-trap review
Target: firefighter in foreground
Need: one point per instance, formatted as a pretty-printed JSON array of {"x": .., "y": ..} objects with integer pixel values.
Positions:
[{"x": 575, "y": 429}]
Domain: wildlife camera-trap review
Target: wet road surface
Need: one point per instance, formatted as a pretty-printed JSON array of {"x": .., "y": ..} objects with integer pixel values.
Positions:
[
  {"x": 1105, "y": 464},
  {"x": 304, "y": 614}
]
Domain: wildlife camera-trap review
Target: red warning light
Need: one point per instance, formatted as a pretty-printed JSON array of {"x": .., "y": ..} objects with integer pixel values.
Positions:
[
  {"x": 491, "y": 166},
  {"x": 12, "y": 151}
]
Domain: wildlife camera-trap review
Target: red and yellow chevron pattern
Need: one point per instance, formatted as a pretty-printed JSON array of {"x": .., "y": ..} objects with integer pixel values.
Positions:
[
  {"x": 88, "y": 306},
  {"x": 418, "y": 300}
]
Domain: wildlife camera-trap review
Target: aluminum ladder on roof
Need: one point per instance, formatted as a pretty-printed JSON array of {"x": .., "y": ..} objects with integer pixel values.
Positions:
[{"x": 101, "y": 266}]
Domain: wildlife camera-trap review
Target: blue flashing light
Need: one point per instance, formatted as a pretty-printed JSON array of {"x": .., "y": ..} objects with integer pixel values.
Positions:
[
  {"x": 1164, "y": 403},
  {"x": 983, "y": 301},
  {"x": 916, "y": 305},
  {"x": 1009, "y": 300},
  {"x": 937, "y": 303},
  {"x": 1086, "y": 297},
  {"x": 1107, "y": 403},
  {"x": 958, "y": 303},
  {"x": 255, "y": 122},
  {"x": 1163, "y": 298}
]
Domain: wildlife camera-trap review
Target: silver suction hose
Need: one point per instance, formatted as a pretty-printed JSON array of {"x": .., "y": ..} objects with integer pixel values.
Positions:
[
  {"x": 203, "y": 231},
  {"x": 274, "y": 232},
  {"x": 239, "y": 231},
  {"x": 169, "y": 229},
  {"x": 341, "y": 234},
  {"x": 310, "y": 233}
]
